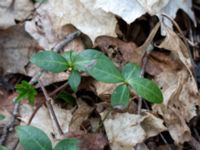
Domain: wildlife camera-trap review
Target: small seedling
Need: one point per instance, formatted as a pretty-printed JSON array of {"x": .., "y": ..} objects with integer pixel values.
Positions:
[{"x": 101, "y": 68}]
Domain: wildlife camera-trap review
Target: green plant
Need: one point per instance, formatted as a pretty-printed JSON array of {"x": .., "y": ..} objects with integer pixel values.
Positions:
[
  {"x": 33, "y": 138},
  {"x": 3, "y": 147},
  {"x": 2, "y": 117},
  {"x": 26, "y": 91},
  {"x": 101, "y": 68}
]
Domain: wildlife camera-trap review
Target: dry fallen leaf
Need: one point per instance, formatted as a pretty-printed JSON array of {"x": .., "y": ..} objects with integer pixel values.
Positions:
[
  {"x": 93, "y": 141},
  {"x": 80, "y": 115},
  {"x": 16, "y": 48},
  {"x": 12, "y": 11},
  {"x": 119, "y": 51},
  {"x": 130, "y": 10},
  {"x": 125, "y": 130},
  {"x": 80, "y": 13},
  {"x": 179, "y": 89}
]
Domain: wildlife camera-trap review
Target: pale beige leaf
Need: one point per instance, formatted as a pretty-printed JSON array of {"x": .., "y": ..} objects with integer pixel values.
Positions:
[
  {"x": 80, "y": 13},
  {"x": 14, "y": 10},
  {"x": 130, "y": 10},
  {"x": 125, "y": 130}
]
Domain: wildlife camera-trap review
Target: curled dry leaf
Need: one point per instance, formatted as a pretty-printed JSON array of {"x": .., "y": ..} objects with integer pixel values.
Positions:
[
  {"x": 179, "y": 89},
  {"x": 125, "y": 130},
  {"x": 80, "y": 13},
  {"x": 130, "y": 10},
  {"x": 43, "y": 119},
  {"x": 11, "y": 10},
  {"x": 119, "y": 51}
]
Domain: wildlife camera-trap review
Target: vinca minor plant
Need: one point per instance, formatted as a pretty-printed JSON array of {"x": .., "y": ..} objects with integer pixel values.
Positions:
[{"x": 101, "y": 68}]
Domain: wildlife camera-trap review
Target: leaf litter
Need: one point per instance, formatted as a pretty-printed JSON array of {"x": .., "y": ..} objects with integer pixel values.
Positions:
[{"x": 171, "y": 66}]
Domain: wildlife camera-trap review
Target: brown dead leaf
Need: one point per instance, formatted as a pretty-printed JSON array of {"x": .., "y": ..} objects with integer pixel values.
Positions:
[
  {"x": 173, "y": 42},
  {"x": 80, "y": 115},
  {"x": 16, "y": 48},
  {"x": 82, "y": 14},
  {"x": 179, "y": 89},
  {"x": 10, "y": 11},
  {"x": 93, "y": 141},
  {"x": 119, "y": 51},
  {"x": 125, "y": 130}
]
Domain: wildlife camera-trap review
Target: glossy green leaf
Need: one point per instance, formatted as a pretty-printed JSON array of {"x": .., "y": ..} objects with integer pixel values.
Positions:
[
  {"x": 120, "y": 96},
  {"x": 26, "y": 91},
  {"x": 131, "y": 71},
  {"x": 50, "y": 61},
  {"x": 74, "y": 80},
  {"x": 2, "y": 117},
  {"x": 33, "y": 138},
  {"x": 147, "y": 89},
  {"x": 99, "y": 66},
  {"x": 68, "y": 98},
  {"x": 70, "y": 57},
  {"x": 67, "y": 144},
  {"x": 40, "y": 1},
  {"x": 3, "y": 147}
]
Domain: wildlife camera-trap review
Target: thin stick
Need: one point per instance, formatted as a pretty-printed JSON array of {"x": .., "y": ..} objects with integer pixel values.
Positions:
[
  {"x": 10, "y": 125},
  {"x": 58, "y": 89},
  {"x": 50, "y": 107},
  {"x": 66, "y": 40},
  {"x": 143, "y": 67}
]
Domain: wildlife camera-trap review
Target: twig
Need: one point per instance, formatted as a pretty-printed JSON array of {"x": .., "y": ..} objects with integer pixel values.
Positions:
[
  {"x": 66, "y": 40},
  {"x": 104, "y": 118},
  {"x": 10, "y": 125},
  {"x": 143, "y": 67},
  {"x": 50, "y": 107},
  {"x": 165, "y": 141},
  {"x": 58, "y": 89},
  {"x": 34, "y": 79}
]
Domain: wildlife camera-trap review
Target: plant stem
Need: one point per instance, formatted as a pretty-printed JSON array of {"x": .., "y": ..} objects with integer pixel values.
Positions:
[{"x": 50, "y": 107}]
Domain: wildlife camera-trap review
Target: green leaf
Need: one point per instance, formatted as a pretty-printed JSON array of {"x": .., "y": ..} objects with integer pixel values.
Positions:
[
  {"x": 67, "y": 144},
  {"x": 33, "y": 138},
  {"x": 3, "y": 147},
  {"x": 147, "y": 89},
  {"x": 120, "y": 96},
  {"x": 26, "y": 91},
  {"x": 69, "y": 99},
  {"x": 50, "y": 61},
  {"x": 40, "y": 1},
  {"x": 70, "y": 57},
  {"x": 74, "y": 80},
  {"x": 2, "y": 117},
  {"x": 131, "y": 71},
  {"x": 98, "y": 66}
]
